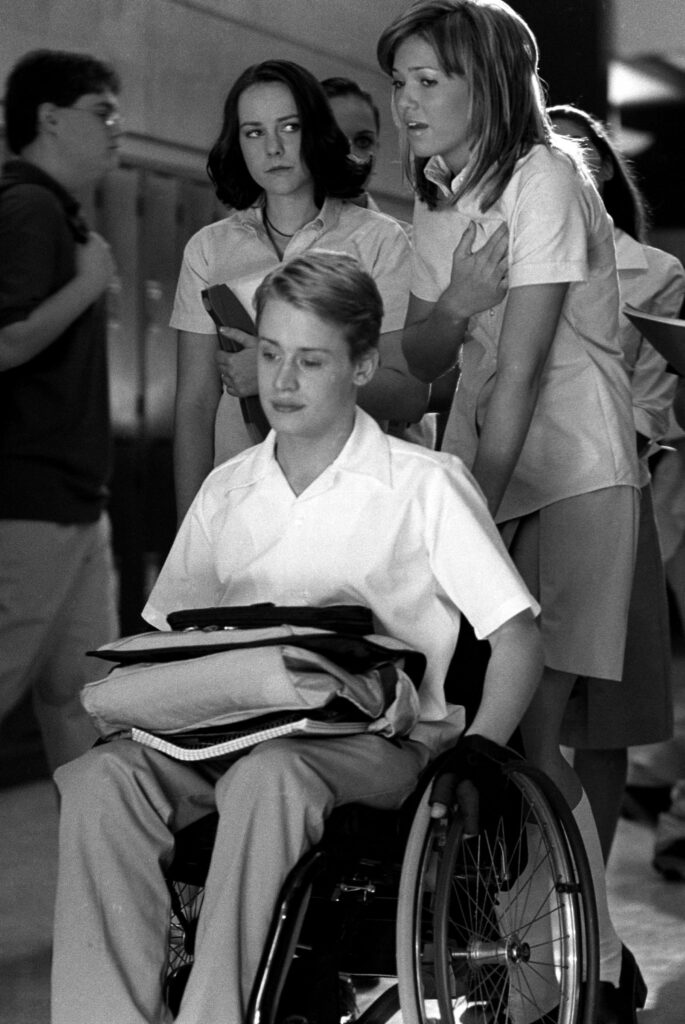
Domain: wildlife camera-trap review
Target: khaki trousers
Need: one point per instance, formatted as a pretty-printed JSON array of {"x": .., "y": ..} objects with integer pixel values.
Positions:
[
  {"x": 57, "y": 601},
  {"x": 121, "y": 803}
]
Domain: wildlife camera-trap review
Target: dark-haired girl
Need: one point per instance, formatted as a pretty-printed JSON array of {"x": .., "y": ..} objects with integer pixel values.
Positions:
[{"x": 283, "y": 166}]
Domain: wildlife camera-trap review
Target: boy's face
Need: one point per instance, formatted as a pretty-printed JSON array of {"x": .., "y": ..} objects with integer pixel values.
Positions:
[
  {"x": 307, "y": 380},
  {"x": 88, "y": 134}
]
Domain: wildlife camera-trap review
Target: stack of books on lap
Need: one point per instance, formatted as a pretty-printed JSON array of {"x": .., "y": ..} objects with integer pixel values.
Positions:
[{"x": 339, "y": 718}]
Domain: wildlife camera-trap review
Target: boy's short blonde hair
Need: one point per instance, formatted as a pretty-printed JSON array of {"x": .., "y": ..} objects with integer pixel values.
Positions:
[{"x": 336, "y": 288}]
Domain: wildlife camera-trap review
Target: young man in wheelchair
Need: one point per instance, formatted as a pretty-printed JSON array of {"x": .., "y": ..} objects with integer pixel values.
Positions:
[{"x": 327, "y": 510}]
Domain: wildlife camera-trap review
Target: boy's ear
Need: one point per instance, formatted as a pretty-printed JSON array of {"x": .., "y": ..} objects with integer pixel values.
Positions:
[
  {"x": 365, "y": 367},
  {"x": 46, "y": 117}
]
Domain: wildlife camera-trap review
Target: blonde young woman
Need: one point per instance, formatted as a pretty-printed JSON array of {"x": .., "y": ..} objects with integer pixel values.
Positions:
[{"x": 542, "y": 414}]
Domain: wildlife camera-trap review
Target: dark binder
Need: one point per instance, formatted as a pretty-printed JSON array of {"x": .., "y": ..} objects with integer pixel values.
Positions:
[
  {"x": 226, "y": 310},
  {"x": 665, "y": 333}
]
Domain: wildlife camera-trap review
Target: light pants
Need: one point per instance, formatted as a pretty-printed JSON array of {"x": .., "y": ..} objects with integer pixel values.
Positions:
[
  {"x": 57, "y": 600},
  {"x": 121, "y": 803}
]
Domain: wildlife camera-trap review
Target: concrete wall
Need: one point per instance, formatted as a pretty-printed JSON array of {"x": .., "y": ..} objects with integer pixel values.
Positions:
[{"x": 648, "y": 26}]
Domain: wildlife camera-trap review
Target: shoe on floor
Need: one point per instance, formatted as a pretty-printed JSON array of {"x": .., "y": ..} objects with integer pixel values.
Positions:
[
  {"x": 618, "y": 1005},
  {"x": 645, "y": 803},
  {"x": 669, "y": 844}
]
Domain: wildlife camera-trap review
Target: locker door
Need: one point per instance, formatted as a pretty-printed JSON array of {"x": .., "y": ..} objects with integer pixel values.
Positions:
[
  {"x": 159, "y": 271},
  {"x": 198, "y": 207},
  {"x": 116, "y": 218},
  {"x": 158, "y": 274}
]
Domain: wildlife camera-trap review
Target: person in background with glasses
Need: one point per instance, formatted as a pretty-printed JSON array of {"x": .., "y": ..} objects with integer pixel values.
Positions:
[{"x": 57, "y": 594}]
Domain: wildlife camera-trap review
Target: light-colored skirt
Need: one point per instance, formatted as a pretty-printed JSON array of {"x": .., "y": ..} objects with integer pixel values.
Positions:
[
  {"x": 602, "y": 716},
  {"x": 577, "y": 557}
]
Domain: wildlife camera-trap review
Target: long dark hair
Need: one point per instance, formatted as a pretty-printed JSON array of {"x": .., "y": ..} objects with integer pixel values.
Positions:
[
  {"x": 494, "y": 49},
  {"x": 622, "y": 198},
  {"x": 325, "y": 149}
]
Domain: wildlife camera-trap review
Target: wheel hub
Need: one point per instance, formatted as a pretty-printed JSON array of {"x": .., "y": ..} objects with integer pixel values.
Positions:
[{"x": 508, "y": 951}]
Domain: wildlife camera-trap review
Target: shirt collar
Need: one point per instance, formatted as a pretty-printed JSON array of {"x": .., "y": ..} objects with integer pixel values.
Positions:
[
  {"x": 23, "y": 172},
  {"x": 630, "y": 254},
  {"x": 365, "y": 453},
  {"x": 437, "y": 172},
  {"x": 327, "y": 218}
]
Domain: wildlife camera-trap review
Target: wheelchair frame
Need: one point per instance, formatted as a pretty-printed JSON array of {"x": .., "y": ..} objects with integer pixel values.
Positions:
[{"x": 500, "y": 926}]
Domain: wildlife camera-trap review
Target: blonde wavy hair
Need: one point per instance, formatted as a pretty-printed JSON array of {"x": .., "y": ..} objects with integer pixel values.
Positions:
[{"x": 492, "y": 47}]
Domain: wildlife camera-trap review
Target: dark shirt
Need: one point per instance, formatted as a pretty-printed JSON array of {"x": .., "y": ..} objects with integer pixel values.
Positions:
[{"x": 54, "y": 409}]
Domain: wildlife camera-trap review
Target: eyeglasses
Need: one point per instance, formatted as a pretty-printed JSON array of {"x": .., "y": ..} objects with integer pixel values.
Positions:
[{"x": 108, "y": 118}]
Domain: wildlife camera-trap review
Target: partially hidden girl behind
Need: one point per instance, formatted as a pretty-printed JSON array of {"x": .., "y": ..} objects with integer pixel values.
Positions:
[
  {"x": 282, "y": 165},
  {"x": 542, "y": 413},
  {"x": 599, "y": 727}
]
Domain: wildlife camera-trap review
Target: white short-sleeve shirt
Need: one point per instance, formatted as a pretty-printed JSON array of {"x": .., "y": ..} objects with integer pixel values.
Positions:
[
  {"x": 238, "y": 252},
  {"x": 581, "y": 436},
  {"x": 652, "y": 280},
  {"x": 397, "y": 528}
]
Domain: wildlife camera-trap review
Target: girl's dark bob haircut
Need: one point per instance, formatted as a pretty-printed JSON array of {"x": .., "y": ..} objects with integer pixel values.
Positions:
[
  {"x": 325, "y": 149},
  {"x": 622, "y": 197}
]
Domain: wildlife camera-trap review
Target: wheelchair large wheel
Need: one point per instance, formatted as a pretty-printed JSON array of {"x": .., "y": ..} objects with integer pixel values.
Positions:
[
  {"x": 498, "y": 928},
  {"x": 186, "y": 901}
]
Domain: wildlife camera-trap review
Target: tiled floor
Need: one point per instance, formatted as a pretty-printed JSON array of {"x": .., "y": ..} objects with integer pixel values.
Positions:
[{"x": 649, "y": 913}]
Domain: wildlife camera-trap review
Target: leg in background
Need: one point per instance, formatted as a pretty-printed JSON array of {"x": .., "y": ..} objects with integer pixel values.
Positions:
[
  {"x": 540, "y": 730},
  {"x": 603, "y": 774},
  {"x": 86, "y": 619},
  {"x": 56, "y": 602}
]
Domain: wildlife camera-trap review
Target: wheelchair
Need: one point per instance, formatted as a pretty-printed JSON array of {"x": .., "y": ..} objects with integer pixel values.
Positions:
[{"x": 493, "y": 928}]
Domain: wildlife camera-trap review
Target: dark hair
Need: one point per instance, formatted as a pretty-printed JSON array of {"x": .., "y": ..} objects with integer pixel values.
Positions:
[
  {"x": 325, "y": 149},
  {"x": 49, "y": 76},
  {"x": 339, "y": 86},
  {"x": 490, "y": 45},
  {"x": 622, "y": 198},
  {"x": 336, "y": 288}
]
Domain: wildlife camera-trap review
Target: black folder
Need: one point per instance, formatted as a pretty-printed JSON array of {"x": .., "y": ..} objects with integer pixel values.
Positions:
[{"x": 226, "y": 310}]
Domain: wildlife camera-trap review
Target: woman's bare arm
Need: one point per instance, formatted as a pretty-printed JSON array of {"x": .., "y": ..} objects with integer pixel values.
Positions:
[
  {"x": 434, "y": 331},
  {"x": 198, "y": 389},
  {"x": 530, "y": 323}
]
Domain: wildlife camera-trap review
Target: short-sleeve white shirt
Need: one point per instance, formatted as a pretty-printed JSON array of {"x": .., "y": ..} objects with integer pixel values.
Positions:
[
  {"x": 238, "y": 252},
  {"x": 581, "y": 436},
  {"x": 652, "y": 280},
  {"x": 389, "y": 525}
]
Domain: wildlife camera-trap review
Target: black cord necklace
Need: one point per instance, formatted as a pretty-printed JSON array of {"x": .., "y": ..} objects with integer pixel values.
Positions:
[{"x": 274, "y": 228}]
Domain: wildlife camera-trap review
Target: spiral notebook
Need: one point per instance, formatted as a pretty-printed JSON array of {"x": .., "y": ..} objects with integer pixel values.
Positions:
[{"x": 221, "y": 740}]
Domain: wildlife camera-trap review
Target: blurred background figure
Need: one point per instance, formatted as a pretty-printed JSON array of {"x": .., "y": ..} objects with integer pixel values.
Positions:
[
  {"x": 597, "y": 725},
  {"x": 57, "y": 593},
  {"x": 359, "y": 119},
  {"x": 656, "y": 774}
]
